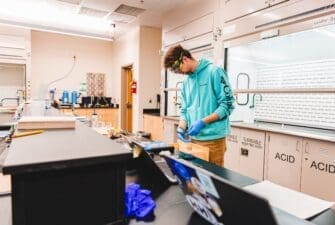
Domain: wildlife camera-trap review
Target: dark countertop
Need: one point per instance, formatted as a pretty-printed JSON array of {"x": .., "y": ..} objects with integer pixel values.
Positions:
[
  {"x": 60, "y": 148},
  {"x": 79, "y": 107},
  {"x": 152, "y": 112}
]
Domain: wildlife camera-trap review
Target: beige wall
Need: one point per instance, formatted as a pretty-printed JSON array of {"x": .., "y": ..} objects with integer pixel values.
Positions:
[
  {"x": 52, "y": 54},
  {"x": 52, "y": 58},
  {"x": 150, "y": 67},
  {"x": 139, "y": 48},
  {"x": 125, "y": 53}
]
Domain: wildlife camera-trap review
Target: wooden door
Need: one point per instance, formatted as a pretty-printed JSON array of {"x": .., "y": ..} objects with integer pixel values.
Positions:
[
  {"x": 284, "y": 160},
  {"x": 318, "y": 169},
  {"x": 126, "y": 99},
  {"x": 129, "y": 104}
]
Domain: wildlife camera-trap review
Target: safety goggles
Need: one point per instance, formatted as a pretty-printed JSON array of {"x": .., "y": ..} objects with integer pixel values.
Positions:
[{"x": 177, "y": 64}]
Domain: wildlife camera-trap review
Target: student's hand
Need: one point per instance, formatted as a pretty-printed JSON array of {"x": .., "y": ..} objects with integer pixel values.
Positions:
[
  {"x": 181, "y": 133},
  {"x": 196, "y": 128}
]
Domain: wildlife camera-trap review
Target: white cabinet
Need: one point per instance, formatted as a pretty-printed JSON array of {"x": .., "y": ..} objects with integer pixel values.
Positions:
[
  {"x": 232, "y": 155},
  {"x": 192, "y": 29},
  {"x": 169, "y": 131},
  {"x": 318, "y": 169},
  {"x": 283, "y": 164},
  {"x": 234, "y": 9},
  {"x": 252, "y": 153},
  {"x": 245, "y": 152}
]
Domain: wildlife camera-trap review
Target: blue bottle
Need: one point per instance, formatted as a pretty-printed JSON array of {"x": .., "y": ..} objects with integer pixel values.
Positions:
[
  {"x": 74, "y": 97},
  {"x": 65, "y": 97}
]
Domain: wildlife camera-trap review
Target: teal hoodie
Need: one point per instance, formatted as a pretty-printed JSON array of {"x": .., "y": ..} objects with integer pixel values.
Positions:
[{"x": 205, "y": 91}]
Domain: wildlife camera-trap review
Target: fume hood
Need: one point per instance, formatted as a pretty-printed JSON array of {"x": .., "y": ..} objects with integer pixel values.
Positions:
[{"x": 288, "y": 79}]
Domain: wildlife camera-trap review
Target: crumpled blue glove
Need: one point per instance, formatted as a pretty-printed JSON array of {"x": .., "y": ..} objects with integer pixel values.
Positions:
[
  {"x": 196, "y": 128},
  {"x": 139, "y": 203},
  {"x": 182, "y": 135}
]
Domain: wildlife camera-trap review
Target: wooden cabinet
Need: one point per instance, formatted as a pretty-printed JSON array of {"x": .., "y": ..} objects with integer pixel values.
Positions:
[
  {"x": 107, "y": 115},
  {"x": 245, "y": 152},
  {"x": 153, "y": 125},
  {"x": 318, "y": 169},
  {"x": 283, "y": 165}
]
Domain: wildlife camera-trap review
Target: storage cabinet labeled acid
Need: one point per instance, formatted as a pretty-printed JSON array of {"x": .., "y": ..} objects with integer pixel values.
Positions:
[
  {"x": 318, "y": 169},
  {"x": 283, "y": 165}
]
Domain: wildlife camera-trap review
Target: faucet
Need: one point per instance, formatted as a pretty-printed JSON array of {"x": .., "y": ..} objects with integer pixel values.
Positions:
[
  {"x": 20, "y": 93},
  {"x": 176, "y": 96},
  {"x": 253, "y": 100}
]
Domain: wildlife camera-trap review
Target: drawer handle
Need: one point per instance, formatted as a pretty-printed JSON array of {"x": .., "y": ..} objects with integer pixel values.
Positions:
[{"x": 244, "y": 151}]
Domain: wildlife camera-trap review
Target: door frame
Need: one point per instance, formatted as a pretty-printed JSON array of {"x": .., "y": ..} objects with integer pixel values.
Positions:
[{"x": 123, "y": 102}]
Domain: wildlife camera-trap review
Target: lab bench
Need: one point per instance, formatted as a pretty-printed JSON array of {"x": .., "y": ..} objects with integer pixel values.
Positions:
[{"x": 66, "y": 176}]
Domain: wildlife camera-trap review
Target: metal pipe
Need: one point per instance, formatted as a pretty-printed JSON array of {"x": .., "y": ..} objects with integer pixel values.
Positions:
[{"x": 253, "y": 100}]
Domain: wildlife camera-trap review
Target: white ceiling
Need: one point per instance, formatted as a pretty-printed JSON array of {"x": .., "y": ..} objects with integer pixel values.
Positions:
[{"x": 63, "y": 17}]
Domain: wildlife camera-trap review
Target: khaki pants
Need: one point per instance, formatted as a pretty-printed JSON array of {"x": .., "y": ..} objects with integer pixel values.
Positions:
[{"x": 217, "y": 148}]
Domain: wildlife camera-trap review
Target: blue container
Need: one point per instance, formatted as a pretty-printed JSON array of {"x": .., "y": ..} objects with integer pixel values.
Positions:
[
  {"x": 65, "y": 97},
  {"x": 74, "y": 97}
]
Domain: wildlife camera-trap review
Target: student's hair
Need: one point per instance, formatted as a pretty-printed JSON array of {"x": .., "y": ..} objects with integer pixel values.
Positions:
[{"x": 175, "y": 53}]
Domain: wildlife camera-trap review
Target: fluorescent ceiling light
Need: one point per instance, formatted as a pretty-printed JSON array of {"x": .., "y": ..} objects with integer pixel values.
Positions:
[{"x": 53, "y": 14}]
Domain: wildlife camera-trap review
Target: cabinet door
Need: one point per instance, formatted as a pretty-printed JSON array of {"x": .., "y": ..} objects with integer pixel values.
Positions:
[
  {"x": 284, "y": 160},
  {"x": 318, "y": 169},
  {"x": 169, "y": 131},
  {"x": 251, "y": 149},
  {"x": 276, "y": 2},
  {"x": 147, "y": 127},
  {"x": 233, "y": 9},
  {"x": 153, "y": 125},
  {"x": 190, "y": 30},
  {"x": 157, "y": 128},
  {"x": 232, "y": 155}
]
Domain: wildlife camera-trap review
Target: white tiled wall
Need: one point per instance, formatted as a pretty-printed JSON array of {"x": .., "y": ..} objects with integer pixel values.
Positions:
[{"x": 317, "y": 110}]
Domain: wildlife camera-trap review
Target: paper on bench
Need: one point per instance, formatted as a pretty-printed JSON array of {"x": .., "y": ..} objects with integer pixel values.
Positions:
[{"x": 296, "y": 203}]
